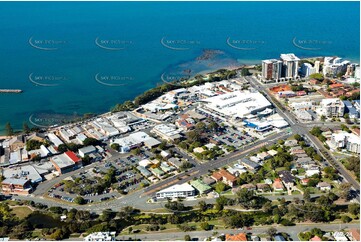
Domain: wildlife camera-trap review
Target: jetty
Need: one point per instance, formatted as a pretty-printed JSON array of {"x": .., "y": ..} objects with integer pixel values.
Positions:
[{"x": 11, "y": 91}]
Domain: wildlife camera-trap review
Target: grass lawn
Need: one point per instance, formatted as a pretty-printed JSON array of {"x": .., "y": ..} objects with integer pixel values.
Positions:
[
  {"x": 218, "y": 224},
  {"x": 21, "y": 212},
  {"x": 280, "y": 169}
]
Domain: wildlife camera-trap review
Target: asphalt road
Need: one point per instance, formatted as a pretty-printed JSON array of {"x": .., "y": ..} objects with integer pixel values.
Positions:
[
  {"x": 201, "y": 235},
  {"x": 293, "y": 231}
]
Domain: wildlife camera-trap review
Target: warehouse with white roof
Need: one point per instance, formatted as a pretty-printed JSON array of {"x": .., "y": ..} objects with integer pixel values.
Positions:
[{"x": 237, "y": 104}]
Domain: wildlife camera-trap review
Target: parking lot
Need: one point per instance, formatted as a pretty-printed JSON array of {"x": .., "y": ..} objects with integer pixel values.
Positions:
[
  {"x": 233, "y": 137},
  {"x": 87, "y": 182}
]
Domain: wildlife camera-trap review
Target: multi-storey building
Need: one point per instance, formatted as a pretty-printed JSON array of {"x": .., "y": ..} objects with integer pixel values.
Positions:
[{"x": 332, "y": 107}]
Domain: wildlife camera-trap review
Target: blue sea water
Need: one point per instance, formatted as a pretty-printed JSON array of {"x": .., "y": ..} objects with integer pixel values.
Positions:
[{"x": 134, "y": 56}]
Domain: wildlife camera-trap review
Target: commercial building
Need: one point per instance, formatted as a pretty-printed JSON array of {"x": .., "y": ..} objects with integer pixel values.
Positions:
[
  {"x": 66, "y": 162},
  {"x": 55, "y": 139},
  {"x": 135, "y": 140},
  {"x": 27, "y": 172},
  {"x": 175, "y": 191},
  {"x": 87, "y": 150},
  {"x": 19, "y": 186},
  {"x": 290, "y": 65},
  {"x": 332, "y": 107},
  {"x": 237, "y": 104},
  {"x": 167, "y": 131},
  {"x": 271, "y": 69}
]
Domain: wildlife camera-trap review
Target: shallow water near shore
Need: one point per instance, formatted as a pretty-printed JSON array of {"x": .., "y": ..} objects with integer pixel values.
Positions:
[{"x": 73, "y": 58}]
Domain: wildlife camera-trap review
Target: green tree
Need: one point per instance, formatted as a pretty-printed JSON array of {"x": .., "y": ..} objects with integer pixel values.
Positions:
[
  {"x": 187, "y": 237},
  {"x": 271, "y": 232},
  {"x": 8, "y": 129},
  {"x": 202, "y": 205},
  {"x": 115, "y": 146},
  {"x": 62, "y": 148},
  {"x": 354, "y": 209},
  {"x": 90, "y": 141},
  {"x": 245, "y": 72},
  {"x": 307, "y": 195},
  {"x": 26, "y": 128},
  {"x": 79, "y": 200},
  {"x": 345, "y": 219},
  {"x": 344, "y": 190},
  {"x": 205, "y": 226},
  {"x": 220, "y": 187}
]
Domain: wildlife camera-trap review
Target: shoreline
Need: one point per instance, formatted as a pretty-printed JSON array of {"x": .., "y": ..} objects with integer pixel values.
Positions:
[{"x": 203, "y": 73}]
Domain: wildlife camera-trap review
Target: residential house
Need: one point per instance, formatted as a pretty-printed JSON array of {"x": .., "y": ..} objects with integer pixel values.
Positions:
[
  {"x": 224, "y": 176},
  {"x": 249, "y": 187},
  {"x": 176, "y": 162},
  {"x": 249, "y": 164},
  {"x": 297, "y": 150},
  {"x": 354, "y": 234},
  {"x": 208, "y": 180},
  {"x": 287, "y": 179},
  {"x": 339, "y": 236},
  {"x": 313, "y": 170},
  {"x": 277, "y": 185},
  {"x": 315, "y": 238},
  {"x": 263, "y": 156},
  {"x": 304, "y": 181},
  {"x": 263, "y": 187},
  {"x": 291, "y": 142},
  {"x": 236, "y": 237},
  {"x": 100, "y": 236},
  {"x": 200, "y": 186},
  {"x": 324, "y": 186}
]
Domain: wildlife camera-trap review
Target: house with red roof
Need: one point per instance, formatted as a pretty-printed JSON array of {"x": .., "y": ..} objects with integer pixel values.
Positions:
[
  {"x": 315, "y": 238},
  {"x": 224, "y": 176}
]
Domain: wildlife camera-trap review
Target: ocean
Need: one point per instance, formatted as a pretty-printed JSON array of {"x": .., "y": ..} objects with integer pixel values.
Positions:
[{"x": 72, "y": 58}]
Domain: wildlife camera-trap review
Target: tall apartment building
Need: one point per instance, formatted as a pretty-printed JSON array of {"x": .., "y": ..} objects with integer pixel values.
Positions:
[
  {"x": 307, "y": 69},
  {"x": 350, "y": 142},
  {"x": 271, "y": 69},
  {"x": 290, "y": 65},
  {"x": 332, "y": 107}
]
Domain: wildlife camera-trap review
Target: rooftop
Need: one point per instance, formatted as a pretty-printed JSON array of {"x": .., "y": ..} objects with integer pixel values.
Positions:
[{"x": 185, "y": 187}]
